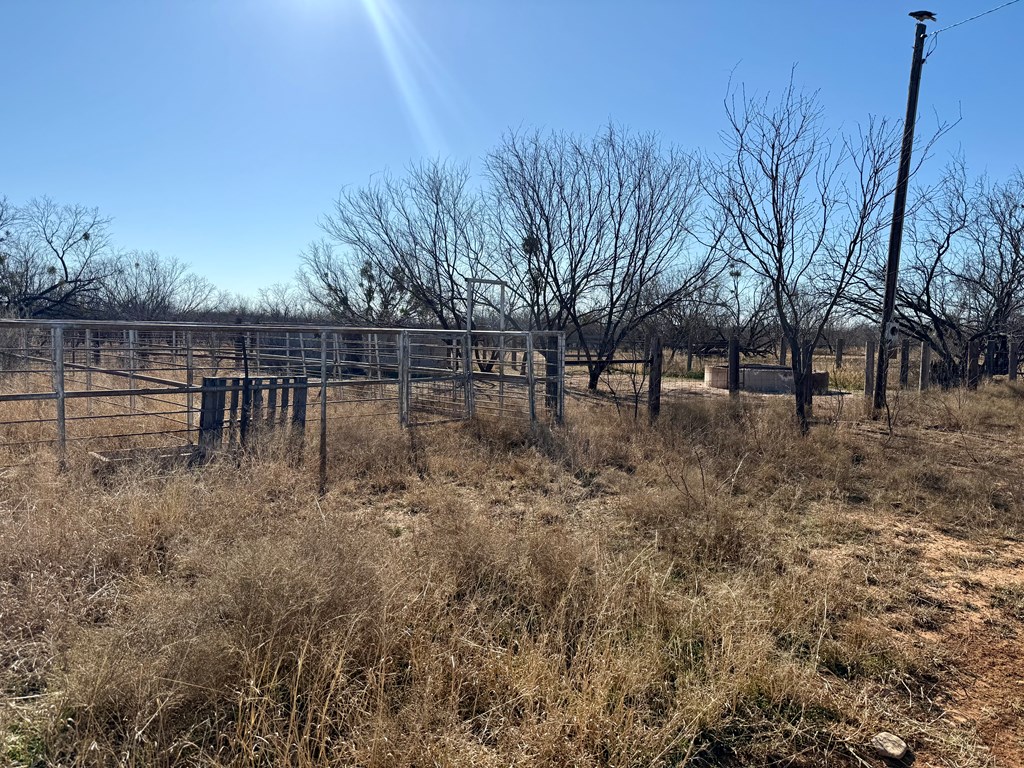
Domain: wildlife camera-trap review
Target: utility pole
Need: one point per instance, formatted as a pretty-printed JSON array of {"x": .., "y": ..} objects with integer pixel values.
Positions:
[{"x": 898, "y": 208}]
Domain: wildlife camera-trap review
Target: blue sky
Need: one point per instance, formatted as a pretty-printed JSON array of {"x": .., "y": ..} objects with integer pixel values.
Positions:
[{"x": 218, "y": 131}]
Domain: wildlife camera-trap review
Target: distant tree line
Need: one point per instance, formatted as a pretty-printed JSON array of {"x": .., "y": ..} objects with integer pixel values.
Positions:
[{"x": 778, "y": 234}]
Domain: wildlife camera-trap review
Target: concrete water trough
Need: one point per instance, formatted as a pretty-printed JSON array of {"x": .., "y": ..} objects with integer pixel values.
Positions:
[{"x": 757, "y": 377}]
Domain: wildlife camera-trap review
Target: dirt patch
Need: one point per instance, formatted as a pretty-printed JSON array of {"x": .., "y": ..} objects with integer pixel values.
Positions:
[{"x": 980, "y": 586}]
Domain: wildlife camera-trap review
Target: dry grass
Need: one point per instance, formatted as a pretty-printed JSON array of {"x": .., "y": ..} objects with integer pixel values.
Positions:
[{"x": 715, "y": 590}]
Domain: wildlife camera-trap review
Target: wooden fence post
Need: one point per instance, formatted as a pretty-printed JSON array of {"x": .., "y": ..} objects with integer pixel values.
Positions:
[
  {"x": 869, "y": 370},
  {"x": 973, "y": 373},
  {"x": 654, "y": 382},
  {"x": 839, "y": 353},
  {"x": 904, "y": 363},
  {"x": 299, "y": 399},
  {"x": 990, "y": 358},
  {"x": 1011, "y": 369},
  {"x": 211, "y": 416},
  {"x": 272, "y": 383},
  {"x": 926, "y": 365},
  {"x": 689, "y": 354},
  {"x": 734, "y": 365}
]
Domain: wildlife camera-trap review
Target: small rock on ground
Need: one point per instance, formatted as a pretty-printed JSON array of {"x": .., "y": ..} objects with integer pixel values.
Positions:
[{"x": 889, "y": 745}]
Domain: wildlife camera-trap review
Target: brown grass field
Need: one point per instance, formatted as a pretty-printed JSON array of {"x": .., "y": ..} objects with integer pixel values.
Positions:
[{"x": 714, "y": 590}]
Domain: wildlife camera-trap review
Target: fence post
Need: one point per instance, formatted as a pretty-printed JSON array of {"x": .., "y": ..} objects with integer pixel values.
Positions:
[
  {"x": 189, "y": 401},
  {"x": 654, "y": 383},
  {"x": 132, "y": 341},
  {"x": 839, "y": 352},
  {"x": 272, "y": 384},
  {"x": 734, "y": 365},
  {"x": 323, "y": 413},
  {"x": 926, "y": 365},
  {"x": 560, "y": 409},
  {"x": 467, "y": 363},
  {"x": 88, "y": 370},
  {"x": 246, "y": 415},
  {"x": 403, "y": 378},
  {"x": 299, "y": 399},
  {"x": 689, "y": 353},
  {"x": 57, "y": 344},
  {"x": 1011, "y": 366},
  {"x": 869, "y": 370},
  {"x": 904, "y": 363},
  {"x": 973, "y": 373},
  {"x": 211, "y": 415},
  {"x": 530, "y": 382}
]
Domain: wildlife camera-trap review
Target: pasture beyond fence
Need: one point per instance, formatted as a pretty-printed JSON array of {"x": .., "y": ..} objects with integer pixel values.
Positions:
[{"x": 113, "y": 387}]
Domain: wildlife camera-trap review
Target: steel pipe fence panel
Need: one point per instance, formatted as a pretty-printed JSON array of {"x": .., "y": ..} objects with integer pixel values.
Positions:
[{"x": 94, "y": 383}]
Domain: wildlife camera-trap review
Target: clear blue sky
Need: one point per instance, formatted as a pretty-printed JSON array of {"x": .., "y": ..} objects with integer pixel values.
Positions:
[{"x": 218, "y": 131}]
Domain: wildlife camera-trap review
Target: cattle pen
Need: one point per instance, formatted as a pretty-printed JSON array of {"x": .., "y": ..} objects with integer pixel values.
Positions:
[{"x": 119, "y": 389}]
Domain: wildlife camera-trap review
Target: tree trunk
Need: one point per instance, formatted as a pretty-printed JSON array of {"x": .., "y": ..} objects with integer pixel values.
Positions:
[{"x": 803, "y": 382}]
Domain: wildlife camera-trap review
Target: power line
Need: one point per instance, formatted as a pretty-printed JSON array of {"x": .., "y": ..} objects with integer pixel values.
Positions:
[
  {"x": 934, "y": 42},
  {"x": 978, "y": 16}
]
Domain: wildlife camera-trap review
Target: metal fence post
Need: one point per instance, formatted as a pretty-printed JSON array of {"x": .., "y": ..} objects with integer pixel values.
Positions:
[
  {"x": 467, "y": 361},
  {"x": 323, "y": 412},
  {"x": 189, "y": 401},
  {"x": 132, "y": 341},
  {"x": 88, "y": 370},
  {"x": 530, "y": 388},
  {"x": 403, "y": 378},
  {"x": 560, "y": 407},
  {"x": 57, "y": 345}
]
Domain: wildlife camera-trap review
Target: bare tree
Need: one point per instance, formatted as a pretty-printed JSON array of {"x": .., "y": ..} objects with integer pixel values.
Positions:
[
  {"x": 422, "y": 234},
  {"x": 50, "y": 258},
  {"x": 594, "y": 236},
  {"x": 962, "y": 279},
  {"x": 802, "y": 210},
  {"x": 356, "y": 292},
  {"x": 143, "y": 285},
  {"x": 284, "y": 303}
]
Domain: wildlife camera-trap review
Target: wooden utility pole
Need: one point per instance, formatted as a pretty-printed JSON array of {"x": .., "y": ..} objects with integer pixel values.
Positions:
[{"x": 898, "y": 208}]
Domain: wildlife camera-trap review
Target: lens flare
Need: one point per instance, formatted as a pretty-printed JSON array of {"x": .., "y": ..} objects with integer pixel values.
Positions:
[{"x": 417, "y": 73}]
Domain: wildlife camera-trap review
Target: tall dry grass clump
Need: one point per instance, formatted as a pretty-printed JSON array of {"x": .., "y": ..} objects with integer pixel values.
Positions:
[{"x": 711, "y": 590}]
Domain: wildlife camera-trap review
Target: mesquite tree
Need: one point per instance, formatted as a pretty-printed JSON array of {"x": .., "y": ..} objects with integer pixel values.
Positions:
[
  {"x": 594, "y": 236},
  {"x": 802, "y": 209}
]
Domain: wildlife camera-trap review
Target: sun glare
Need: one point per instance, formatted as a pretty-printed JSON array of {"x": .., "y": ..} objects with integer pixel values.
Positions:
[{"x": 416, "y": 71}]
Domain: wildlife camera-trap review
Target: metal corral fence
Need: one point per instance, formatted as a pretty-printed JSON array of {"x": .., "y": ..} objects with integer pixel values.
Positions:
[{"x": 117, "y": 386}]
